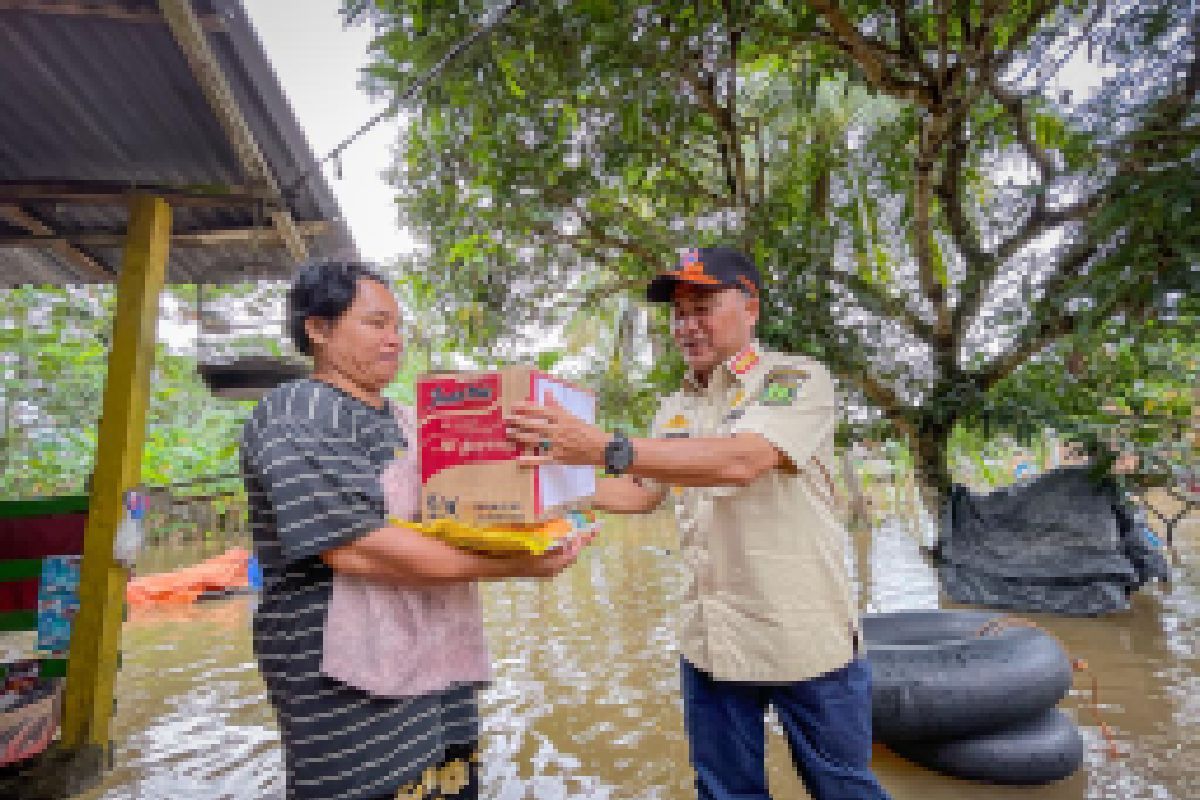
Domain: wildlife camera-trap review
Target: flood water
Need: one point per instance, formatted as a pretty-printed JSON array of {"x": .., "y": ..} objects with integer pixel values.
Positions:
[{"x": 586, "y": 705}]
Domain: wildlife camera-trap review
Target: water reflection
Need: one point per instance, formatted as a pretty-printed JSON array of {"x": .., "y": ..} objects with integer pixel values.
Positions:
[{"x": 585, "y": 702}]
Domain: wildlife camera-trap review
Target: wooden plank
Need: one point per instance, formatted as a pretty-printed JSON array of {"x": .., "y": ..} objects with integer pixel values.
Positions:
[
  {"x": 52, "y": 668},
  {"x": 95, "y": 635},
  {"x": 108, "y": 11},
  {"x": 201, "y": 238},
  {"x": 67, "y": 504},
  {"x": 20, "y": 595},
  {"x": 202, "y": 61},
  {"x": 117, "y": 193},
  {"x": 20, "y": 569},
  {"x": 18, "y": 621},
  {"x": 43, "y": 535},
  {"x": 85, "y": 265}
]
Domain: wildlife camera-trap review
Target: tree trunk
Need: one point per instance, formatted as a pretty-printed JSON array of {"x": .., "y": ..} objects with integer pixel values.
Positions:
[
  {"x": 859, "y": 515},
  {"x": 932, "y": 468}
]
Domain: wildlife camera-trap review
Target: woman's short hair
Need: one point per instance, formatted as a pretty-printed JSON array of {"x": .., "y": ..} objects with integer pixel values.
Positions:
[{"x": 324, "y": 289}]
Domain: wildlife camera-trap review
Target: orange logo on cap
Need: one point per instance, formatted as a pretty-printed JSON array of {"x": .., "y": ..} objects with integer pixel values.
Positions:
[
  {"x": 691, "y": 263},
  {"x": 691, "y": 269}
]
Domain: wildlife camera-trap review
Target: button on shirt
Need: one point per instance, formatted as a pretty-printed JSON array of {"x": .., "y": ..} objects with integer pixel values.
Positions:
[{"x": 767, "y": 597}]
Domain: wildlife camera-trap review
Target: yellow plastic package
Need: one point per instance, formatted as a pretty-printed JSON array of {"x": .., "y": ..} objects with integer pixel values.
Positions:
[{"x": 511, "y": 539}]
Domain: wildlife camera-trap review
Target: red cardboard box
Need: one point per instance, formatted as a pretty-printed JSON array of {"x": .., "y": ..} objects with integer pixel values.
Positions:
[{"x": 468, "y": 465}]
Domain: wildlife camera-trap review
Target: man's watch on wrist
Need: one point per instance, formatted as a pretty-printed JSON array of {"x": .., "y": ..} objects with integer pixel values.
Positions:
[{"x": 618, "y": 454}]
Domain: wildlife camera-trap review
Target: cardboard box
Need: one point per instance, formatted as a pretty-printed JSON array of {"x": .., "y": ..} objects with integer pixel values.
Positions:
[{"x": 468, "y": 465}]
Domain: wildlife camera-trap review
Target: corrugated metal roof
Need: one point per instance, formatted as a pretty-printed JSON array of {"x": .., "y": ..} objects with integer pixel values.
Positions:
[{"x": 86, "y": 97}]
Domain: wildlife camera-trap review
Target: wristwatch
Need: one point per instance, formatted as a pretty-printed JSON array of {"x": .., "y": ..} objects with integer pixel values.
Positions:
[{"x": 618, "y": 454}]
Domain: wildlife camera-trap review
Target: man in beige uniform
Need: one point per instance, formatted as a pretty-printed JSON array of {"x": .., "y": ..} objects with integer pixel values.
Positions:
[{"x": 746, "y": 447}]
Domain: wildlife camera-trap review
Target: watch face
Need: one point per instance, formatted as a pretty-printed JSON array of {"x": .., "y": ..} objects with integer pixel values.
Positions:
[
  {"x": 618, "y": 455},
  {"x": 624, "y": 455}
]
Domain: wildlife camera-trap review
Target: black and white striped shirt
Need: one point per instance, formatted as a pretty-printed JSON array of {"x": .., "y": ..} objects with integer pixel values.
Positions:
[{"x": 312, "y": 456}]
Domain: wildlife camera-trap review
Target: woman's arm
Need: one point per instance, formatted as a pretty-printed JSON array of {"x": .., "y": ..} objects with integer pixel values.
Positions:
[
  {"x": 407, "y": 558},
  {"x": 626, "y": 495}
]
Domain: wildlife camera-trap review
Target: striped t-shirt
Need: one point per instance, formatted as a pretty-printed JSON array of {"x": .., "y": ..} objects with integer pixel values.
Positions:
[{"x": 312, "y": 456}]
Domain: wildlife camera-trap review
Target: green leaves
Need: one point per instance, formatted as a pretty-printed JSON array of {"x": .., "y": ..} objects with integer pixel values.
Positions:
[
  {"x": 589, "y": 141},
  {"x": 53, "y": 362}
]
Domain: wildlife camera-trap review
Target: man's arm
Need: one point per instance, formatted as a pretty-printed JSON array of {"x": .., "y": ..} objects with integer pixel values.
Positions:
[
  {"x": 407, "y": 558},
  {"x": 719, "y": 461},
  {"x": 767, "y": 436},
  {"x": 626, "y": 495},
  {"x": 736, "y": 460}
]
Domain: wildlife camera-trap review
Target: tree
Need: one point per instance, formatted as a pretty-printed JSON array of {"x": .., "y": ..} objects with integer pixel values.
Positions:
[
  {"x": 934, "y": 213},
  {"x": 54, "y": 344}
]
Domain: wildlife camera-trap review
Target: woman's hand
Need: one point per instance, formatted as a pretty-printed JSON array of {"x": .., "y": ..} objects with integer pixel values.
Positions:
[{"x": 549, "y": 564}]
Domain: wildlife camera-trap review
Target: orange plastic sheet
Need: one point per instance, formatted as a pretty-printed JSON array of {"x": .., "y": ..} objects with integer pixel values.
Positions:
[{"x": 183, "y": 586}]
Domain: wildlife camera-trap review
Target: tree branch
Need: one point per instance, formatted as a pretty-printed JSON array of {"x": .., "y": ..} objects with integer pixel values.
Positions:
[
  {"x": 730, "y": 147},
  {"x": 882, "y": 397},
  {"x": 730, "y": 109},
  {"x": 982, "y": 267},
  {"x": 868, "y": 56},
  {"x": 851, "y": 368},
  {"x": 694, "y": 180},
  {"x": 872, "y": 56},
  {"x": 922, "y": 232},
  {"x": 949, "y": 191},
  {"x": 943, "y": 23},
  {"x": 908, "y": 42},
  {"x": 1037, "y": 13},
  {"x": 878, "y": 300},
  {"x": 1014, "y": 104},
  {"x": 1050, "y": 320},
  {"x": 596, "y": 236}
]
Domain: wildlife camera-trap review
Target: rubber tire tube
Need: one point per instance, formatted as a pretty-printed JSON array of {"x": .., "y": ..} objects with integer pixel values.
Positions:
[
  {"x": 1045, "y": 749},
  {"x": 934, "y": 677}
]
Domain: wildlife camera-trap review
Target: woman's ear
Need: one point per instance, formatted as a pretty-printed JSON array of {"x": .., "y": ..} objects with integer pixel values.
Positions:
[{"x": 317, "y": 330}]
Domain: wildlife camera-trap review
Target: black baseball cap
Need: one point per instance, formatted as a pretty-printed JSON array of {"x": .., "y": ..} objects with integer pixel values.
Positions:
[{"x": 721, "y": 267}]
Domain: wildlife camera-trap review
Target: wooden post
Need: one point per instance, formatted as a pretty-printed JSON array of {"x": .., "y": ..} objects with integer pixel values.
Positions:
[{"x": 96, "y": 634}]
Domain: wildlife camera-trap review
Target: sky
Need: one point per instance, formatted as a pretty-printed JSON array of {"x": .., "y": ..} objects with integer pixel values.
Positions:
[{"x": 317, "y": 61}]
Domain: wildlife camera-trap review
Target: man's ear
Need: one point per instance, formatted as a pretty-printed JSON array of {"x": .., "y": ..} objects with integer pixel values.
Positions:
[{"x": 752, "y": 309}]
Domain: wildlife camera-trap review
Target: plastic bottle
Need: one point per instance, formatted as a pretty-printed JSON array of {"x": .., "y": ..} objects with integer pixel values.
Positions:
[
  {"x": 128, "y": 542},
  {"x": 254, "y": 576}
]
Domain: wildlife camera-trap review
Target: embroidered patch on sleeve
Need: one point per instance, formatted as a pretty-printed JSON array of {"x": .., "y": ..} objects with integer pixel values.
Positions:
[
  {"x": 782, "y": 386},
  {"x": 676, "y": 427},
  {"x": 744, "y": 361},
  {"x": 735, "y": 407}
]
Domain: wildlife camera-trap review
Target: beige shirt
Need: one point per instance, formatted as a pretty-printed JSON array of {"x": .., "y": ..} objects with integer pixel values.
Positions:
[{"x": 767, "y": 597}]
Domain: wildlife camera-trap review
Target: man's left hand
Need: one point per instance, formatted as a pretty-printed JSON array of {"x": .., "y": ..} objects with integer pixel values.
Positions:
[{"x": 555, "y": 435}]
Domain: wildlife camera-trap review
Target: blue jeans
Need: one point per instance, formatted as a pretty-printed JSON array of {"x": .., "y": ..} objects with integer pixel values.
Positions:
[{"x": 827, "y": 720}]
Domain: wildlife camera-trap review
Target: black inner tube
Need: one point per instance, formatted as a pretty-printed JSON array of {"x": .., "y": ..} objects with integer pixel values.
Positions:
[
  {"x": 1043, "y": 749},
  {"x": 936, "y": 675}
]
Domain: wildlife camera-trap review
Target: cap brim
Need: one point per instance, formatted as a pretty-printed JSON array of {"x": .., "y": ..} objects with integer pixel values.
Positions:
[{"x": 662, "y": 288}]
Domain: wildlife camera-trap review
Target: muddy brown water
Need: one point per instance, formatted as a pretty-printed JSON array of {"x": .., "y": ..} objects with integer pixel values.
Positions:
[{"x": 586, "y": 705}]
